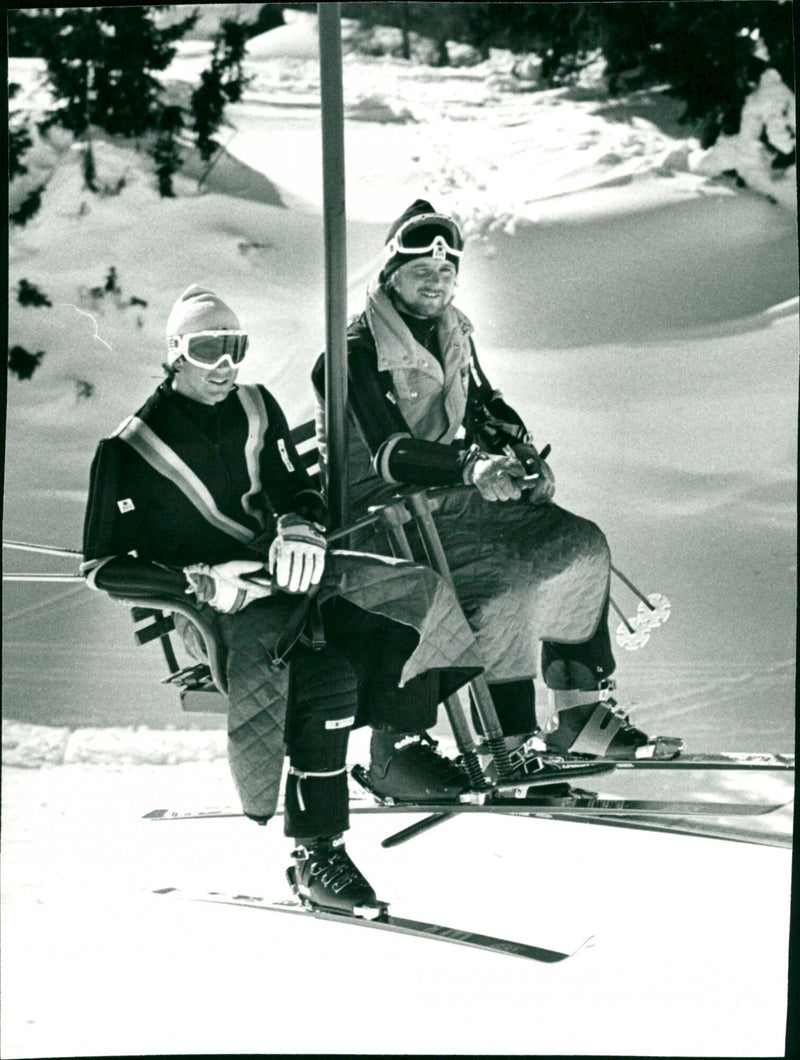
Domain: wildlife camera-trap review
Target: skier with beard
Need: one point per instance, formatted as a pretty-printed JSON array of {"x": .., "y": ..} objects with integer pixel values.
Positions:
[{"x": 423, "y": 412}]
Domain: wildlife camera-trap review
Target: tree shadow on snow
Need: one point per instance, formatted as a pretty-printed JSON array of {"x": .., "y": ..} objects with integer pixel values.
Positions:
[{"x": 229, "y": 176}]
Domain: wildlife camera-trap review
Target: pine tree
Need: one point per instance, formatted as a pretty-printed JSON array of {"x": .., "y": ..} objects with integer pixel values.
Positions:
[
  {"x": 101, "y": 62},
  {"x": 28, "y": 208},
  {"x": 223, "y": 82},
  {"x": 165, "y": 152},
  {"x": 19, "y": 138},
  {"x": 22, "y": 362},
  {"x": 28, "y": 294}
]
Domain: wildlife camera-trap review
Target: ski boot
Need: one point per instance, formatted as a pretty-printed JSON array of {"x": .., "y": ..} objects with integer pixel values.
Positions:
[
  {"x": 590, "y": 723},
  {"x": 323, "y": 877},
  {"x": 407, "y": 767}
]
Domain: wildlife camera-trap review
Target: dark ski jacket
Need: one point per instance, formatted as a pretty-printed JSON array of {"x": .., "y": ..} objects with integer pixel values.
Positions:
[
  {"x": 417, "y": 400},
  {"x": 436, "y": 381},
  {"x": 181, "y": 482}
]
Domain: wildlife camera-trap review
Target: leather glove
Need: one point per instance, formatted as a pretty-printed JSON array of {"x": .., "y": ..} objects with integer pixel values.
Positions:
[
  {"x": 228, "y": 587},
  {"x": 545, "y": 486},
  {"x": 494, "y": 476},
  {"x": 297, "y": 555}
]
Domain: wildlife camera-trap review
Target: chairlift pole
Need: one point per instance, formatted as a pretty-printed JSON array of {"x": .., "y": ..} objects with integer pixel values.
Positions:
[{"x": 333, "y": 184}]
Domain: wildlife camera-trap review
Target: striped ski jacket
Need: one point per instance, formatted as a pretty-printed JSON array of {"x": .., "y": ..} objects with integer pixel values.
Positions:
[{"x": 180, "y": 482}]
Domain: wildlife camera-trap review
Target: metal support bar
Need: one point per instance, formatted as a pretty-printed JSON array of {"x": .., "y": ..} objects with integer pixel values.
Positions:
[
  {"x": 492, "y": 730},
  {"x": 333, "y": 194},
  {"x": 392, "y": 518}
]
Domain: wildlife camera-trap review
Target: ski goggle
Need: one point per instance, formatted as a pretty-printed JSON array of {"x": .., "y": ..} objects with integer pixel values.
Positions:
[
  {"x": 427, "y": 233},
  {"x": 208, "y": 349}
]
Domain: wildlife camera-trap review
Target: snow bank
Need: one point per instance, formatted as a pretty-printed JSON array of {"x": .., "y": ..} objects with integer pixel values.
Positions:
[
  {"x": 297, "y": 39},
  {"x": 758, "y": 151},
  {"x": 377, "y": 108},
  {"x": 33, "y": 746}
]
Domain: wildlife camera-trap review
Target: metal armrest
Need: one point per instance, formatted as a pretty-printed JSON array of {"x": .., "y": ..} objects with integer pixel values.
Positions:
[{"x": 180, "y": 605}]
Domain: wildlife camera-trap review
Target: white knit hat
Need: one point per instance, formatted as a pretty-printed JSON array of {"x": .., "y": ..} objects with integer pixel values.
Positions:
[{"x": 199, "y": 309}]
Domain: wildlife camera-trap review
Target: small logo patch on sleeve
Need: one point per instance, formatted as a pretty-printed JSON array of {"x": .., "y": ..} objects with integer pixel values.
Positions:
[
  {"x": 126, "y": 505},
  {"x": 339, "y": 723}
]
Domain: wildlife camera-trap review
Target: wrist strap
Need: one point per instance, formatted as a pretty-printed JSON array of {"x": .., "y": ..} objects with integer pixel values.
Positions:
[{"x": 473, "y": 455}]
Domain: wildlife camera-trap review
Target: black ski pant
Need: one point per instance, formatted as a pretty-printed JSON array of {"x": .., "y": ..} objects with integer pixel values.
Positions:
[
  {"x": 308, "y": 708},
  {"x": 574, "y": 666},
  {"x": 352, "y": 681}
]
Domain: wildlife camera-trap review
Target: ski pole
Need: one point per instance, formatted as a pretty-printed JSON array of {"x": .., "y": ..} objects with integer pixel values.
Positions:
[
  {"x": 43, "y": 578},
  {"x": 632, "y": 587},
  {"x": 627, "y": 624},
  {"x": 415, "y": 829},
  {"x": 48, "y": 550}
]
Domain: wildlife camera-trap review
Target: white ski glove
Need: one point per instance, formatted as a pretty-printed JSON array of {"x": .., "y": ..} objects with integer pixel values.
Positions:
[
  {"x": 297, "y": 555},
  {"x": 493, "y": 476},
  {"x": 228, "y": 587}
]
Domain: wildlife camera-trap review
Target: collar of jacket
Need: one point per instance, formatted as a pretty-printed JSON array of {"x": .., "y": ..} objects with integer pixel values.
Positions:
[{"x": 397, "y": 348}]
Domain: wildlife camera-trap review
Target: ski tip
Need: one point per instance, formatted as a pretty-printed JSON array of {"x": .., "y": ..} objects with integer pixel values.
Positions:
[{"x": 587, "y": 944}]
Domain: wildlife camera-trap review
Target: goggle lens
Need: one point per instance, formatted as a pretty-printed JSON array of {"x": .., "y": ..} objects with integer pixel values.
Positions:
[
  {"x": 426, "y": 233},
  {"x": 211, "y": 350},
  {"x": 208, "y": 349}
]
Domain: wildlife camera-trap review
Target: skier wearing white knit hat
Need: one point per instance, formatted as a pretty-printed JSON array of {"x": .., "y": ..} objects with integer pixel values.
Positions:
[{"x": 202, "y": 495}]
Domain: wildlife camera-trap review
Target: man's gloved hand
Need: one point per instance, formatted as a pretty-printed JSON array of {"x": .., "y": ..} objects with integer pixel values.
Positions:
[
  {"x": 545, "y": 486},
  {"x": 494, "y": 476},
  {"x": 297, "y": 555},
  {"x": 228, "y": 587}
]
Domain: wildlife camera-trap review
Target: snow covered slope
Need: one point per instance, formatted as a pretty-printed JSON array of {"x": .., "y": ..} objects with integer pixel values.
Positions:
[
  {"x": 688, "y": 956},
  {"x": 642, "y": 315}
]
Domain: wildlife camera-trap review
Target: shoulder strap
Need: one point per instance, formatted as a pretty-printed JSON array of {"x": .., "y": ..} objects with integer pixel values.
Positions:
[
  {"x": 252, "y": 401},
  {"x": 166, "y": 462}
]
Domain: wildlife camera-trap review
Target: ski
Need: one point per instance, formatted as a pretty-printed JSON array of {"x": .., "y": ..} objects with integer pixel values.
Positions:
[
  {"x": 561, "y": 800},
  {"x": 422, "y": 929},
  {"x": 733, "y": 760},
  {"x": 575, "y": 803},
  {"x": 583, "y": 804}
]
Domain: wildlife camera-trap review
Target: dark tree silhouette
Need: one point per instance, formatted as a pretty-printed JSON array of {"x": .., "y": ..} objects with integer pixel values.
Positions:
[
  {"x": 222, "y": 83},
  {"x": 22, "y": 363}
]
